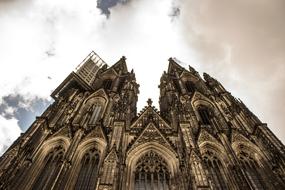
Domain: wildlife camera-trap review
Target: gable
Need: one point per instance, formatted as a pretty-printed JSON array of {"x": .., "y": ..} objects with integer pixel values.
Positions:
[
  {"x": 187, "y": 76},
  {"x": 147, "y": 115},
  {"x": 65, "y": 131},
  {"x": 174, "y": 67},
  {"x": 120, "y": 66},
  {"x": 99, "y": 95},
  {"x": 238, "y": 138},
  {"x": 205, "y": 137},
  {"x": 151, "y": 134},
  {"x": 112, "y": 156},
  {"x": 97, "y": 133}
]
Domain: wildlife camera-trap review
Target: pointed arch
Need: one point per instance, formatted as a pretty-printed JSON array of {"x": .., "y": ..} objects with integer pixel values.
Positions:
[
  {"x": 54, "y": 141},
  {"x": 151, "y": 172},
  {"x": 92, "y": 108},
  {"x": 135, "y": 154},
  {"x": 240, "y": 142},
  {"x": 216, "y": 161},
  {"x": 86, "y": 161},
  {"x": 88, "y": 169},
  {"x": 49, "y": 160},
  {"x": 89, "y": 142},
  {"x": 199, "y": 99},
  {"x": 99, "y": 94},
  {"x": 204, "y": 108},
  {"x": 51, "y": 167},
  {"x": 252, "y": 161},
  {"x": 216, "y": 170},
  {"x": 41, "y": 159}
]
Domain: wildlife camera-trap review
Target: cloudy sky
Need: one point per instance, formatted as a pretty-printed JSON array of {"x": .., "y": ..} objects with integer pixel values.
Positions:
[{"x": 239, "y": 42}]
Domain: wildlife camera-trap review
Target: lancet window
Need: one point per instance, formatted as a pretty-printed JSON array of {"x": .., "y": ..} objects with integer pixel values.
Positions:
[
  {"x": 52, "y": 164},
  {"x": 152, "y": 173},
  {"x": 204, "y": 115},
  {"x": 252, "y": 170},
  {"x": 176, "y": 84},
  {"x": 20, "y": 176},
  {"x": 88, "y": 173},
  {"x": 190, "y": 86},
  {"x": 215, "y": 171},
  {"x": 95, "y": 113},
  {"x": 107, "y": 84}
]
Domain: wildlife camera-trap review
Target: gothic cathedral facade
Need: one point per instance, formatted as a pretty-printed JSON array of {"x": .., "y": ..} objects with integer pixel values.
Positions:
[{"x": 91, "y": 137}]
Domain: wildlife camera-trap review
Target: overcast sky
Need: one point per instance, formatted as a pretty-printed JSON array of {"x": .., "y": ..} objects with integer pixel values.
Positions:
[{"x": 239, "y": 42}]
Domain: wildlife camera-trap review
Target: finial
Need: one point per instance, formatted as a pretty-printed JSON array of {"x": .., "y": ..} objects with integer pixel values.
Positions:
[
  {"x": 170, "y": 59},
  {"x": 123, "y": 58},
  {"x": 149, "y": 102},
  {"x": 206, "y": 75}
]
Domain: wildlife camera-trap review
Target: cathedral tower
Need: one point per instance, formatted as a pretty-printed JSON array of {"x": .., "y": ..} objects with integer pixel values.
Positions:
[{"x": 91, "y": 137}]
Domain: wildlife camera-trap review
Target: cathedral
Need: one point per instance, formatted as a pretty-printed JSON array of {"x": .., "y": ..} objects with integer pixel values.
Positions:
[{"x": 91, "y": 137}]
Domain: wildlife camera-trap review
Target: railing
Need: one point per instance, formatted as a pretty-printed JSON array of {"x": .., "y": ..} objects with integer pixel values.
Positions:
[{"x": 95, "y": 58}]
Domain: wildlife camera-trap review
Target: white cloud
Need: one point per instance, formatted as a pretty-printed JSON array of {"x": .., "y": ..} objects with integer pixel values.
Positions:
[
  {"x": 9, "y": 132},
  {"x": 242, "y": 43},
  {"x": 42, "y": 41}
]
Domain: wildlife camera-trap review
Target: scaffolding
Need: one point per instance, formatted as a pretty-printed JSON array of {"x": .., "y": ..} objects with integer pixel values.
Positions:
[{"x": 89, "y": 67}]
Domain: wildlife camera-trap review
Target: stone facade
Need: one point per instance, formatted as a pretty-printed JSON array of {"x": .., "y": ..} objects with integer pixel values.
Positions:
[{"x": 91, "y": 137}]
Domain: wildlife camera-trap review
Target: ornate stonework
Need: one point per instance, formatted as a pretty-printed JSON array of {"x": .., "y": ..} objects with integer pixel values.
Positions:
[{"x": 91, "y": 137}]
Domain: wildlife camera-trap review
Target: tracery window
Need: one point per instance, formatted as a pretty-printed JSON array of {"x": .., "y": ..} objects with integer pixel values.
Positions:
[
  {"x": 107, "y": 84},
  {"x": 204, "y": 115},
  {"x": 88, "y": 173},
  {"x": 252, "y": 170},
  {"x": 151, "y": 173},
  {"x": 52, "y": 163},
  {"x": 20, "y": 176},
  {"x": 190, "y": 86},
  {"x": 215, "y": 171}
]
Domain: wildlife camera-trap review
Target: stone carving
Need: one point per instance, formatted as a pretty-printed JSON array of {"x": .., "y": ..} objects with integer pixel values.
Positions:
[{"x": 200, "y": 138}]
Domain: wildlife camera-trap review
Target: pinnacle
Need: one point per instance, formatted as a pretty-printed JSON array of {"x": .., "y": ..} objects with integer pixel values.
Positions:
[{"x": 149, "y": 102}]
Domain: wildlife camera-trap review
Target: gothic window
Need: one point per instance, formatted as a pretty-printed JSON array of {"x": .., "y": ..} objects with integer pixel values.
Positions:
[
  {"x": 190, "y": 86},
  {"x": 52, "y": 164},
  {"x": 88, "y": 173},
  {"x": 151, "y": 173},
  {"x": 20, "y": 176},
  {"x": 176, "y": 84},
  {"x": 215, "y": 171},
  {"x": 252, "y": 170},
  {"x": 204, "y": 115},
  {"x": 95, "y": 114},
  {"x": 121, "y": 84},
  {"x": 107, "y": 84}
]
